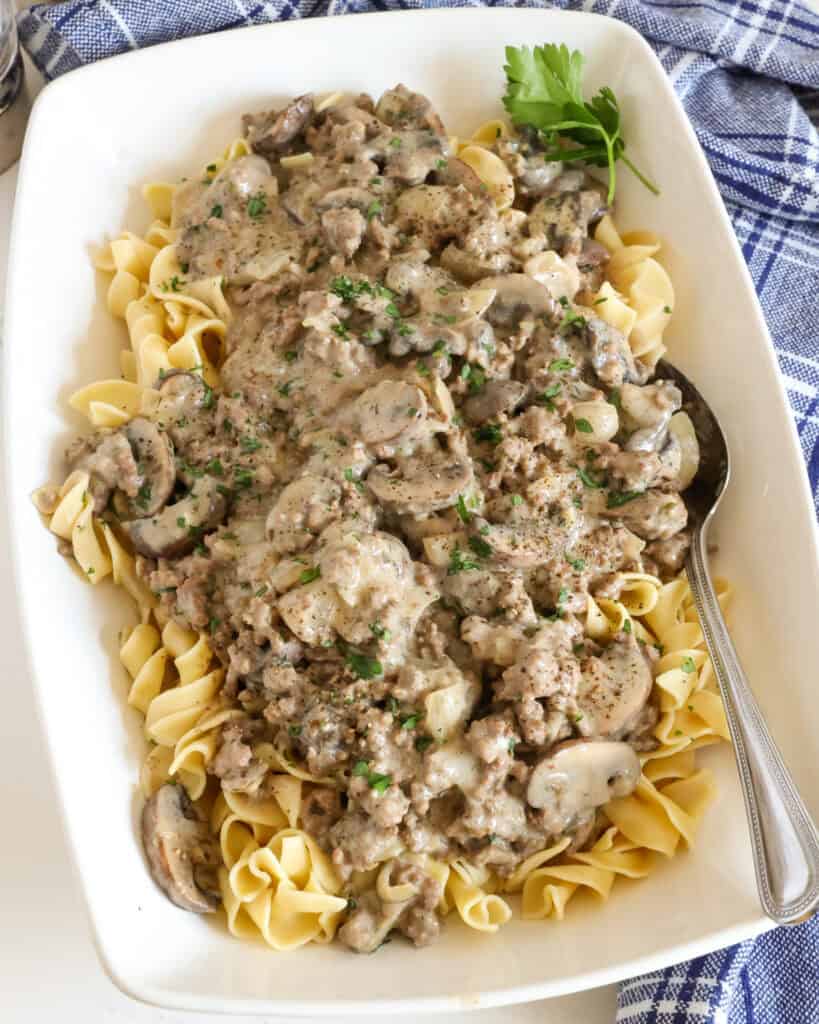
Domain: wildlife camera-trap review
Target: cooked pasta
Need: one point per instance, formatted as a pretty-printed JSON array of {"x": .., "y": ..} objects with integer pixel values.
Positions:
[{"x": 398, "y": 505}]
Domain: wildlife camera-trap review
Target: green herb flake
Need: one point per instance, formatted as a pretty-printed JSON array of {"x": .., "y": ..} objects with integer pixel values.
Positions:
[
  {"x": 616, "y": 499},
  {"x": 216, "y": 210},
  {"x": 583, "y": 426},
  {"x": 588, "y": 480},
  {"x": 457, "y": 562},
  {"x": 516, "y": 499},
  {"x": 380, "y": 633},
  {"x": 560, "y": 365},
  {"x": 243, "y": 478},
  {"x": 143, "y": 495},
  {"x": 463, "y": 512},
  {"x": 374, "y": 209},
  {"x": 257, "y": 205},
  {"x": 411, "y": 721},
  {"x": 578, "y": 564},
  {"x": 363, "y": 666},
  {"x": 481, "y": 548},
  {"x": 261, "y": 591},
  {"x": 490, "y": 432},
  {"x": 423, "y": 743},
  {"x": 214, "y": 467},
  {"x": 294, "y": 730},
  {"x": 687, "y": 665},
  {"x": 250, "y": 444},
  {"x": 308, "y": 575},
  {"x": 627, "y": 626}
]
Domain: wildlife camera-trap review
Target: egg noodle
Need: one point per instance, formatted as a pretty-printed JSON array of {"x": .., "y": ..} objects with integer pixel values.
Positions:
[{"x": 276, "y": 882}]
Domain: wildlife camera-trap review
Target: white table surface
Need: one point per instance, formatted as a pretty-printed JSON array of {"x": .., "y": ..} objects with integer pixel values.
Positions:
[{"x": 48, "y": 967}]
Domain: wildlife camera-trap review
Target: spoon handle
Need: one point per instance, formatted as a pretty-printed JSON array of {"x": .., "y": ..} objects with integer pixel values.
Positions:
[{"x": 784, "y": 839}]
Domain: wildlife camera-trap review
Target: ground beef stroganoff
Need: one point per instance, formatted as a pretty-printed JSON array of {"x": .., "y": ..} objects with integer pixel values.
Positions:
[{"x": 396, "y": 502}]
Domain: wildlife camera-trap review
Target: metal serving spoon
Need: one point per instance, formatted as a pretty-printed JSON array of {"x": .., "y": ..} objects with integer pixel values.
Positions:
[{"x": 784, "y": 839}]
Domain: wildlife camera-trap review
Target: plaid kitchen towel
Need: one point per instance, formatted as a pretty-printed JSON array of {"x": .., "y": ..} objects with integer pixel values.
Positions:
[{"x": 747, "y": 72}]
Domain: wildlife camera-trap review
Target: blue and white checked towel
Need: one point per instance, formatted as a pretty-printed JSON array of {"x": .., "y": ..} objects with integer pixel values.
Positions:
[{"x": 748, "y": 74}]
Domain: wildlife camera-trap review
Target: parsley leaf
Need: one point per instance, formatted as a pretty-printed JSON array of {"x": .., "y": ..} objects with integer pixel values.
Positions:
[
  {"x": 544, "y": 89},
  {"x": 490, "y": 432},
  {"x": 583, "y": 426},
  {"x": 457, "y": 562},
  {"x": 363, "y": 666},
  {"x": 618, "y": 498},
  {"x": 481, "y": 547},
  {"x": 463, "y": 512},
  {"x": 687, "y": 665},
  {"x": 310, "y": 574}
]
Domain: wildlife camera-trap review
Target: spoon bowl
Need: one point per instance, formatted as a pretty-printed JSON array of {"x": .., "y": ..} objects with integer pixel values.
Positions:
[{"x": 783, "y": 836}]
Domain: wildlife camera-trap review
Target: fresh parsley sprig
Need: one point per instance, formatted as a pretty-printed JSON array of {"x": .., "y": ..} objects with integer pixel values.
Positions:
[{"x": 544, "y": 90}]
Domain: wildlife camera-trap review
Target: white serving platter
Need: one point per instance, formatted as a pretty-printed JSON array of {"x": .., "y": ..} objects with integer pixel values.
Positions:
[{"x": 94, "y": 137}]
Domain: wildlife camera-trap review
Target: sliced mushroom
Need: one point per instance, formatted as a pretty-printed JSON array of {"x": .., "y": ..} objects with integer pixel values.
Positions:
[
  {"x": 183, "y": 397},
  {"x": 271, "y": 132},
  {"x": 528, "y": 544},
  {"x": 109, "y": 461},
  {"x": 578, "y": 777},
  {"x": 388, "y": 412},
  {"x": 496, "y": 397},
  {"x": 473, "y": 266},
  {"x": 422, "y": 482},
  {"x": 411, "y": 276},
  {"x": 153, "y": 453},
  {"x": 564, "y": 218},
  {"x": 182, "y": 853},
  {"x": 611, "y": 356},
  {"x": 517, "y": 296},
  {"x": 648, "y": 411},
  {"x": 303, "y": 509},
  {"x": 402, "y": 108},
  {"x": 655, "y": 515},
  {"x": 456, "y": 304},
  {"x": 350, "y": 196},
  {"x": 178, "y": 528},
  {"x": 614, "y": 688}
]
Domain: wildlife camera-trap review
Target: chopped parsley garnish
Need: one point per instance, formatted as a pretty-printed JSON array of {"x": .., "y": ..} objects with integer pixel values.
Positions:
[
  {"x": 688, "y": 665},
  {"x": 583, "y": 426},
  {"x": 481, "y": 548},
  {"x": 627, "y": 626},
  {"x": 351, "y": 478},
  {"x": 261, "y": 591},
  {"x": 614, "y": 397},
  {"x": 572, "y": 319},
  {"x": 545, "y": 397},
  {"x": 214, "y": 467},
  {"x": 143, "y": 495},
  {"x": 257, "y": 205},
  {"x": 423, "y": 743},
  {"x": 294, "y": 730},
  {"x": 341, "y": 330},
  {"x": 457, "y": 562},
  {"x": 216, "y": 210},
  {"x": 422, "y": 368},
  {"x": 439, "y": 348},
  {"x": 463, "y": 512},
  {"x": 616, "y": 499},
  {"x": 441, "y": 164},
  {"x": 308, "y": 575},
  {"x": 284, "y": 389},
  {"x": 291, "y": 356},
  {"x": 346, "y": 289},
  {"x": 395, "y": 143},
  {"x": 667, "y": 310},
  {"x": 214, "y": 624},
  {"x": 475, "y": 377},
  {"x": 412, "y": 720},
  {"x": 243, "y": 478},
  {"x": 516, "y": 499},
  {"x": 405, "y": 330},
  {"x": 600, "y": 301},
  {"x": 174, "y": 285},
  {"x": 392, "y": 310},
  {"x": 181, "y": 522},
  {"x": 207, "y": 401},
  {"x": 210, "y": 168},
  {"x": 588, "y": 479},
  {"x": 560, "y": 365},
  {"x": 379, "y": 632},
  {"x": 443, "y": 290},
  {"x": 490, "y": 432},
  {"x": 250, "y": 444},
  {"x": 374, "y": 209},
  {"x": 363, "y": 666},
  {"x": 578, "y": 564},
  {"x": 441, "y": 318}
]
